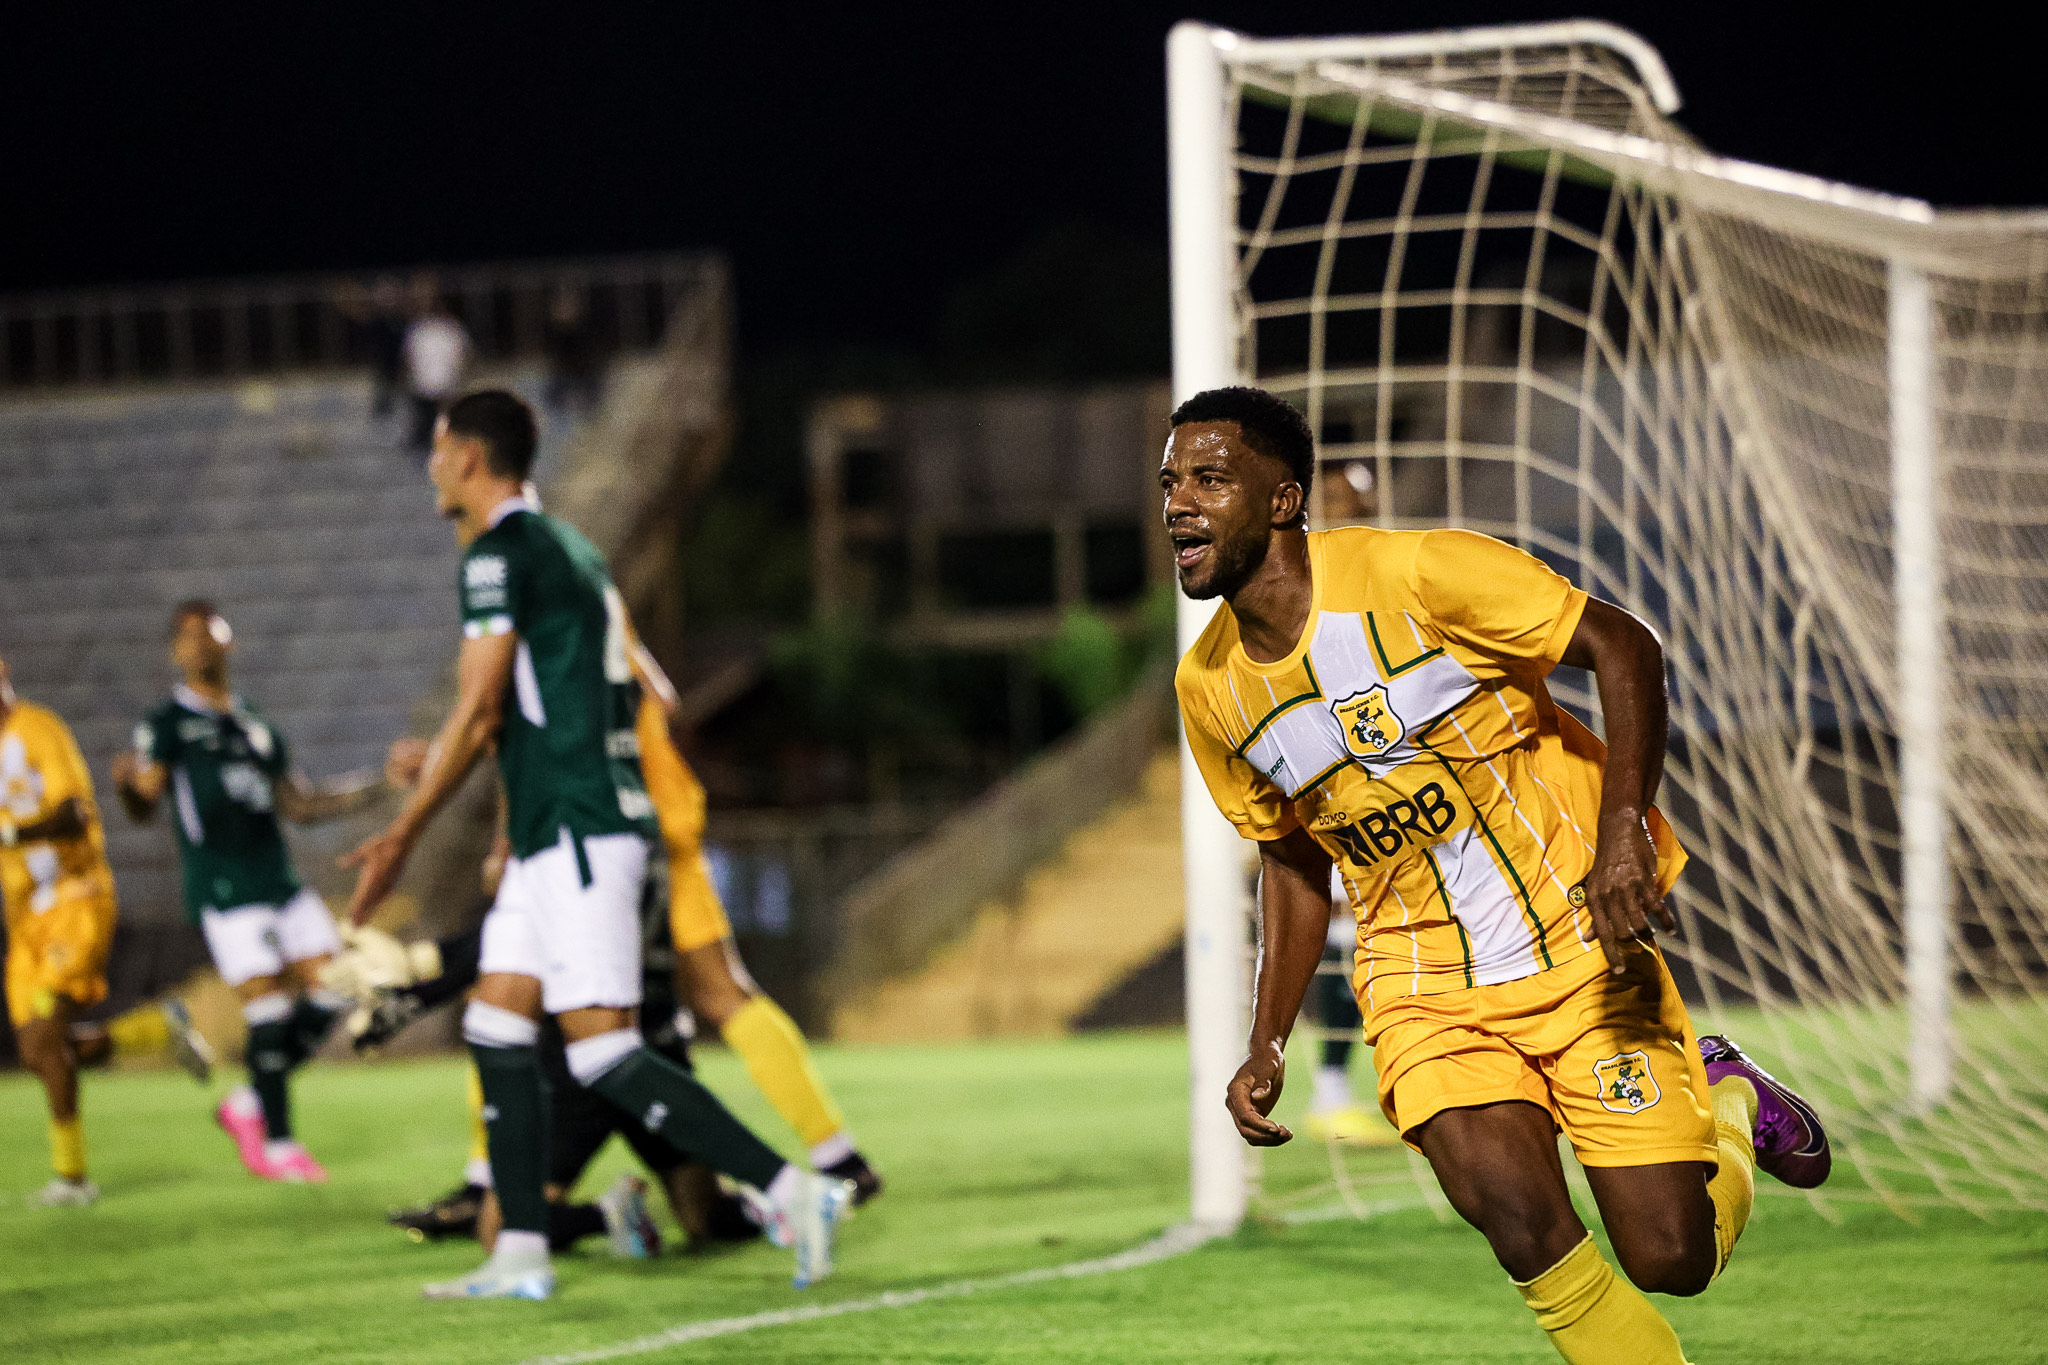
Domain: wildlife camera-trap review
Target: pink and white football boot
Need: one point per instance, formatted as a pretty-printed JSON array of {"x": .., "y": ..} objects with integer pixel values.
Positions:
[
  {"x": 241, "y": 1118},
  {"x": 291, "y": 1164}
]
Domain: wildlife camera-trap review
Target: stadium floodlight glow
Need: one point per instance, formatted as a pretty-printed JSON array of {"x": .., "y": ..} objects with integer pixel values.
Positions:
[{"x": 1801, "y": 427}]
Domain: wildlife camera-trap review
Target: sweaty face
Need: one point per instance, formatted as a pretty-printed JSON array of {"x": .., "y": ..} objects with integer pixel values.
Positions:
[
  {"x": 444, "y": 469},
  {"x": 1219, "y": 506},
  {"x": 200, "y": 648}
]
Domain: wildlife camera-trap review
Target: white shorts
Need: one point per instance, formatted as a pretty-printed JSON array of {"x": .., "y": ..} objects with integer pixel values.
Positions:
[
  {"x": 258, "y": 940},
  {"x": 581, "y": 942}
]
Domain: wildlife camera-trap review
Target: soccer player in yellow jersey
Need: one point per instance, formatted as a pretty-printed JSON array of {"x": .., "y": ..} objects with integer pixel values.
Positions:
[
  {"x": 714, "y": 980},
  {"x": 1375, "y": 700},
  {"x": 59, "y": 897}
]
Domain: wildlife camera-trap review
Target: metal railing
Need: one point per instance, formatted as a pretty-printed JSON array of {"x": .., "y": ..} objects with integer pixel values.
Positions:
[
  {"x": 894, "y": 920},
  {"x": 279, "y": 324}
]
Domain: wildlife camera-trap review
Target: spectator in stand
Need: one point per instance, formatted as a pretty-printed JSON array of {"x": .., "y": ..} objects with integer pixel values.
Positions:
[
  {"x": 574, "y": 374},
  {"x": 436, "y": 355},
  {"x": 376, "y": 318},
  {"x": 385, "y": 328}
]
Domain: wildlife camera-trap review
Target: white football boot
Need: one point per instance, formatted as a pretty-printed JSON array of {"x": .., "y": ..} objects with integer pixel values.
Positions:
[
  {"x": 188, "y": 1046},
  {"x": 66, "y": 1194},
  {"x": 811, "y": 1222},
  {"x": 512, "y": 1273},
  {"x": 627, "y": 1223}
]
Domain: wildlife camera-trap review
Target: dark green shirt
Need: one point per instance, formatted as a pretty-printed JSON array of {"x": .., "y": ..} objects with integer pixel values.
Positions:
[
  {"x": 567, "y": 753},
  {"x": 224, "y": 768}
]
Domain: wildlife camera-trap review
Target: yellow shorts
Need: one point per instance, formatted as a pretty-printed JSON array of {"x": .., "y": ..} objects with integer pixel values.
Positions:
[
  {"x": 1612, "y": 1058},
  {"x": 696, "y": 917},
  {"x": 60, "y": 951}
]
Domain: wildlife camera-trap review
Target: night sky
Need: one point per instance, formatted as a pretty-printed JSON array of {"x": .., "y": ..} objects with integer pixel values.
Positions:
[{"x": 858, "y": 163}]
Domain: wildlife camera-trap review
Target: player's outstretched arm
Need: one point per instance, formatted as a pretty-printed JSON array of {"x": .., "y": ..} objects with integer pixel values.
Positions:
[
  {"x": 1294, "y": 921},
  {"x": 482, "y": 671},
  {"x": 65, "y": 822},
  {"x": 650, "y": 676},
  {"x": 1627, "y": 664},
  {"x": 306, "y": 802},
  {"x": 139, "y": 784}
]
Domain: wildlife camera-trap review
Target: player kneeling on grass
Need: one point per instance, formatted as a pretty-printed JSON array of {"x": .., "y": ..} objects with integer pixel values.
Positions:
[
  {"x": 581, "y": 1121},
  {"x": 546, "y": 673},
  {"x": 709, "y": 972},
  {"x": 230, "y": 776},
  {"x": 59, "y": 901},
  {"x": 1375, "y": 699},
  {"x": 395, "y": 984}
]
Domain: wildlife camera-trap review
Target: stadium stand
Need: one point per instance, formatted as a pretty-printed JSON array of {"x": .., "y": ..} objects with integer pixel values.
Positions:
[
  {"x": 276, "y": 492},
  {"x": 283, "y": 501}
]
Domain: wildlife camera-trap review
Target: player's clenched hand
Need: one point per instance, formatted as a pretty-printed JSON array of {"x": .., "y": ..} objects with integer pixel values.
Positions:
[
  {"x": 1621, "y": 890},
  {"x": 1252, "y": 1094},
  {"x": 380, "y": 859}
]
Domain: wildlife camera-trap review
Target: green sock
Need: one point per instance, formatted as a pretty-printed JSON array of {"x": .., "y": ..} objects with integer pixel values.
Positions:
[
  {"x": 516, "y": 1121},
  {"x": 669, "y": 1102},
  {"x": 270, "y": 1060}
]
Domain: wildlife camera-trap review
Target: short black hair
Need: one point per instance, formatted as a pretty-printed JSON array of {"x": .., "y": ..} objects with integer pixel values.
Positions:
[
  {"x": 504, "y": 423},
  {"x": 1272, "y": 426},
  {"x": 200, "y": 607}
]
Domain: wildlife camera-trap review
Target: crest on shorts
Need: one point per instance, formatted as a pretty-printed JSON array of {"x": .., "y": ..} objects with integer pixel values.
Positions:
[
  {"x": 1626, "y": 1085},
  {"x": 1371, "y": 729}
]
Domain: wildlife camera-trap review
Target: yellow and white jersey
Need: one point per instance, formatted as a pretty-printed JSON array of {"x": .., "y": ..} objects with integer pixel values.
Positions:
[
  {"x": 696, "y": 916},
  {"x": 677, "y": 795},
  {"x": 40, "y": 769},
  {"x": 1410, "y": 732}
]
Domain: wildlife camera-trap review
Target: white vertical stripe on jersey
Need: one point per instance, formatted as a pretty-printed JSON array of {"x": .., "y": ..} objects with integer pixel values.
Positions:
[
  {"x": 528, "y": 687},
  {"x": 188, "y": 809},
  {"x": 1542, "y": 844},
  {"x": 1503, "y": 944}
]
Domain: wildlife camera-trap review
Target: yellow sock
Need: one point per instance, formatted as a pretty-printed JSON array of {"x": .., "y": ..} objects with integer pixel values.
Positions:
[
  {"x": 67, "y": 1148},
  {"x": 140, "y": 1032},
  {"x": 1595, "y": 1317},
  {"x": 779, "y": 1060},
  {"x": 479, "y": 1137},
  {"x": 1733, "y": 1188}
]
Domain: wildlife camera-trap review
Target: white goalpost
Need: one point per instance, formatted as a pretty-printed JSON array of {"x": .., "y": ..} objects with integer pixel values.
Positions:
[{"x": 1800, "y": 427}]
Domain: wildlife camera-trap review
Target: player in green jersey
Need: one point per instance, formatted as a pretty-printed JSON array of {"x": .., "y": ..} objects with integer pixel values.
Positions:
[
  {"x": 548, "y": 672},
  {"x": 230, "y": 776}
]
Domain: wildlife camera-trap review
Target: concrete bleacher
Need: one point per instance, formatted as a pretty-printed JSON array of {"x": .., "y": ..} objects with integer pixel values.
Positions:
[{"x": 287, "y": 503}]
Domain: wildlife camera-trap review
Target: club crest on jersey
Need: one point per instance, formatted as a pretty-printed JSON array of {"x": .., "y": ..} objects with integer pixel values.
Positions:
[
  {"x": 1626, "y": 1085},
  {"x": 1371, "y": 729}
]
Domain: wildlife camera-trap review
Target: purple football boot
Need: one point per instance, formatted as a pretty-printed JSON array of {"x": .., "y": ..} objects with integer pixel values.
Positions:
[{"x": 1790, "y": 1142}]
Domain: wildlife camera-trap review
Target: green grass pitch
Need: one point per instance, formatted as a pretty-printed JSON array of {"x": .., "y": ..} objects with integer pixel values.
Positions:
[{"x": 1000, "y": 1157}]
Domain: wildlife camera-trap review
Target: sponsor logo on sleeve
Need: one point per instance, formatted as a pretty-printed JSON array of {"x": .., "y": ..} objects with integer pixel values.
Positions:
[
  {"x": 484, "y": 571},
  {"x": 483, "y": 581}
]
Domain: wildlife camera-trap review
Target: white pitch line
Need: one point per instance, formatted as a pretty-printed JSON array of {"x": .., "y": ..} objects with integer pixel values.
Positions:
[
  {"x": 1175, "y": 1241},
  {"x": 1332, "y": 1213}
]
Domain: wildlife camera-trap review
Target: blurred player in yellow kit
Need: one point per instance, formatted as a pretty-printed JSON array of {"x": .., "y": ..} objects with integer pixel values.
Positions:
[
  {"x": 60, "y": 915},
  {"x": 716, "y": 983},
  {"x": 712, "y": 979},
  {"x": 1374, "y": 701}
]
